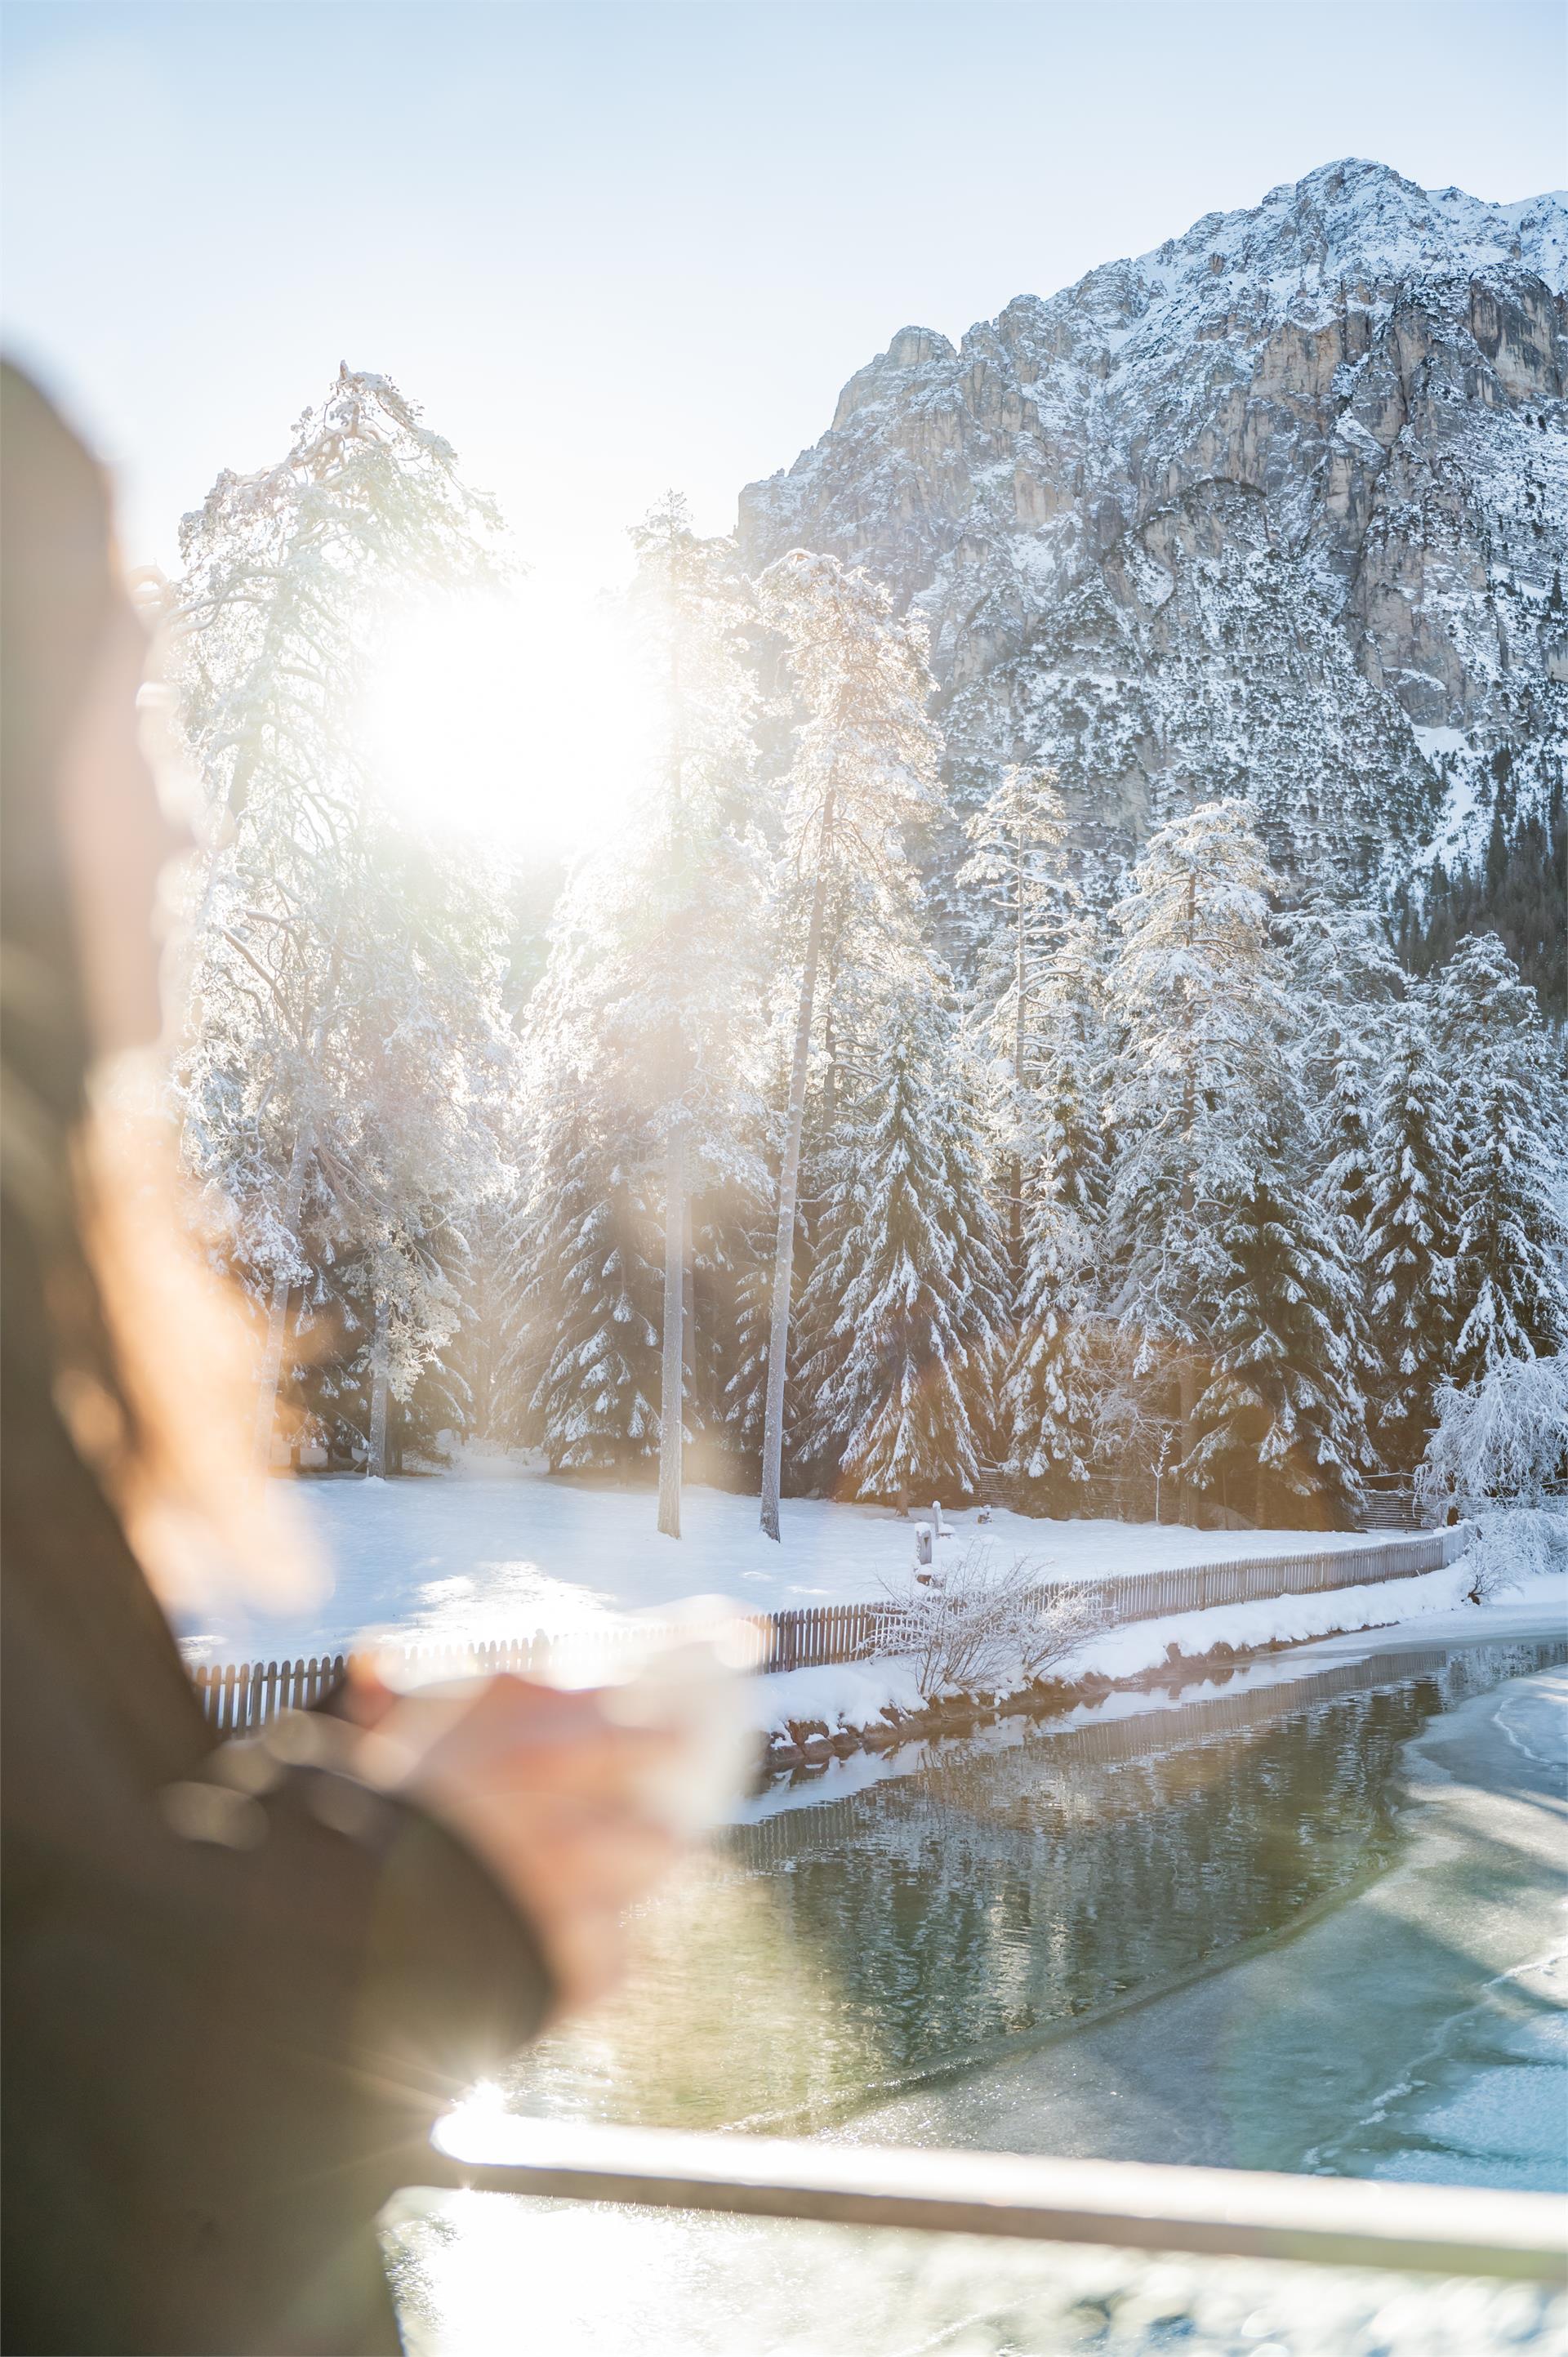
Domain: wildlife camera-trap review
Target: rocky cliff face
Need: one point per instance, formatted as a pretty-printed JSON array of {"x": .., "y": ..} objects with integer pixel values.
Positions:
[{"x": 1279, "y": 509}]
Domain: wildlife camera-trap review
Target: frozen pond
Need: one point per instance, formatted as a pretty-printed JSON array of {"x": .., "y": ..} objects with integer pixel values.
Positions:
[
  {"x": 1309, "y": 1921},
  {"x": 1417, "y": 2032},
  {"x": 1041, "y": 1893}
]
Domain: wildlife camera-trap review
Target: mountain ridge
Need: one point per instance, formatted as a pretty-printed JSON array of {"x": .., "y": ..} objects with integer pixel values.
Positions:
[{"x": 1278, "y": 507}]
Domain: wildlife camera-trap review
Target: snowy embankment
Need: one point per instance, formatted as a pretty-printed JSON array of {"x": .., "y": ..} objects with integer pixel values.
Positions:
[
  {"x": 853, "y": 1696},
  {"x": 472, "y": 1559},
  {"x": 1517, "y": 1565}
]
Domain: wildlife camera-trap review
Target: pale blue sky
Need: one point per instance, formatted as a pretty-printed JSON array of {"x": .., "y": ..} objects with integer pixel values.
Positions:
[{"x": 613, "y": 248}]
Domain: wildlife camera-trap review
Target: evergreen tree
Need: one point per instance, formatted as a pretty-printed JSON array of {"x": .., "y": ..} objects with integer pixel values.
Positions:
[
  {"x": 487, "y": 1276},
  {"x": 1486, "y": 1016},
  {"x": 1281, "y": 1422},
  {"x": 1018, "y": 901},
  {"x": 1342, "y": 972},
  {"x": 907, "y": 1290},
  {"x": 1347, "y": 1135},
  {"x": 590, "y": 1309},
  {"x": 1196, "y": 993},
  {"x": 1055, "y": 1369},
  {"x": 645, "y": 1034},
  {"x": 1518, "y": 891},
  {"x": 346, "y": 1026},
  {"x": 1507, "y": 1139},
  {"x": 586, "y": 1335},
  {"x": 864, "y": 766},
  {"x": 1511, "y": 1297},
  {"x": 1411, "y": 1232}
]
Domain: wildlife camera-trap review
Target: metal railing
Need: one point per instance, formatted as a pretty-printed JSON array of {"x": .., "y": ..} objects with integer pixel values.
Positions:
[{"x": 1214, "y": 2213}]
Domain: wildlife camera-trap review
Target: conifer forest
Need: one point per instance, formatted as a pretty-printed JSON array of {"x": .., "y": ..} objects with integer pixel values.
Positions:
[{"x": 909, "y": 1093}]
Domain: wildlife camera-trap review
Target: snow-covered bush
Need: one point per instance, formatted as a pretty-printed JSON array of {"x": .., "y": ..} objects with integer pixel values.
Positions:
[
  {"x": 1521, "y": 1542},
  {"x": 1500, "y": 1441},
  {"x": 979, "y": 1627}
]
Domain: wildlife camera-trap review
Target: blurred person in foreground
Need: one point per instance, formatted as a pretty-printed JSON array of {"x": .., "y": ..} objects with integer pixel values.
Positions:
[{"x": 241, "y": 1984}]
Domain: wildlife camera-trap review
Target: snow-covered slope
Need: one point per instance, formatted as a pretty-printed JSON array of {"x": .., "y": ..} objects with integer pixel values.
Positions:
[{"x": 1277, "y": 507}]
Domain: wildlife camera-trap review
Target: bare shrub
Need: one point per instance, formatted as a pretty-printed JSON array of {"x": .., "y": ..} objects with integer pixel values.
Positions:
[{"x": 980, "y": 1626}]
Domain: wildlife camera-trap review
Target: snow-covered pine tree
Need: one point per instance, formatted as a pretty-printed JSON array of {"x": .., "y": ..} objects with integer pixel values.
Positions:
[
  {"x": 595, "y": 1297},
  {"x": 908, "y": 1291},
  {"x": 490, "y": 1347},
  {"x": 1511, "y": 1249},
  {"x": 1342, "y": 975},
  {"x": 1281, "y": 1422},
  {"x": 1510, "y": 1241},
  {"x": 745, "y": 1394},
  {"x": 1345, "y": 1129},
  {"x": 308, "y": 959},
  {"x": 866, "y": 769},
  {"x": 493, "y": 1340},
  {"x": 435, "y": 1075},
  {"x": 372, "y": 1382},
  {"x": 1054, "y": 1371},
  {"x": 732, "y": 1234},
  {"x": 1196, "y": 996},
  {"x": 1017, "y": 899},
  {"x": 1411, "y": 1232},
  {"x": 1484, "y": 1015},
  {"x": 584, "y": 1352}
]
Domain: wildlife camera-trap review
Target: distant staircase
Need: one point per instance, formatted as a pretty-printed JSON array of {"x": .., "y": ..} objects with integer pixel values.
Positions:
[{"x": 1389, "y": 1505}]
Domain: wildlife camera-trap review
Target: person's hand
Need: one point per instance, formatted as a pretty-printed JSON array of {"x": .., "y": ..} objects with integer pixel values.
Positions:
[{"x": 548, "y": 1793}]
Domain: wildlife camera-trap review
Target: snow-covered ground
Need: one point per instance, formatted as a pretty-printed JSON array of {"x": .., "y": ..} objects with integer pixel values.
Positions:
[{"x": 467, "y": 1559}]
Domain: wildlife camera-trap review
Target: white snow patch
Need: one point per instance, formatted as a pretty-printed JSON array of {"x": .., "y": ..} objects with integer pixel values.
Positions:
[
  {"x": 1434, "y": 741},
  {"x": 479, "y": 1559},
  {"x": 840, "y": 1695},
  {"x": 1267, "y": 1619}
]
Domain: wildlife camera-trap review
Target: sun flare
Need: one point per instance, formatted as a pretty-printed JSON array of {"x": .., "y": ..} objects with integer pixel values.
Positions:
[{"x": 518, "y": 720}]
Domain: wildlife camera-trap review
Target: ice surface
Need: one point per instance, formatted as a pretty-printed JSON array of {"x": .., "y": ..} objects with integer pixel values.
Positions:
[{"x": 1417, "y": 2032}]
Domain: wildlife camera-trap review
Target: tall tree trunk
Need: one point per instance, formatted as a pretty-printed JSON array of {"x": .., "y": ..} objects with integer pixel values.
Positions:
[
  {"x": 1186, "y": 1374},
  {"x": 688, "y": 1301},
  {"x": 672, "y": 1377},
  {"x": 1186, "y": 1381},
  {"x": 672, "y": 1366},
  {"x": 1016, "y": 1166},
  {"x": 277, "y": 1308},
  {"x": 376, "y": 1464},
  {"x": 788, "y": 1182}
]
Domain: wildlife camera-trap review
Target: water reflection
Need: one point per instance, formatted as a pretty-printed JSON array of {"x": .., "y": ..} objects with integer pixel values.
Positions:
[{"x": 1015, "y": 1884}]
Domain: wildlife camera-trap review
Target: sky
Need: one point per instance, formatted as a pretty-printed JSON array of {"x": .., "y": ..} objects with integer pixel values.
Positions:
[{"x": 613, "y": 249}]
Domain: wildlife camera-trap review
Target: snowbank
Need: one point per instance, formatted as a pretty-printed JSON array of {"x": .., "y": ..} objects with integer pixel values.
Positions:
[
  {"x": 1266, "y": 1621},
  {"x": 845, "y": 1695},
  {"x": 457, "y": 1559},
  {"x": 855, "y": 1695}
]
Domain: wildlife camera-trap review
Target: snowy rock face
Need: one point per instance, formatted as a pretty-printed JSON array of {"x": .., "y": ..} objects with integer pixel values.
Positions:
[{"x": 1277, "y": 508}]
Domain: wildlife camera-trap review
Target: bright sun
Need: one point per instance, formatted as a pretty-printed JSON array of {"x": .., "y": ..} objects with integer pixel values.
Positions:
[{"x": 516, "y": 719}]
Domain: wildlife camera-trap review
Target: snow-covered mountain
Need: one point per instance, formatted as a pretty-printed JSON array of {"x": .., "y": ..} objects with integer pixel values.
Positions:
[{"x": 1278, "y": 508}]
